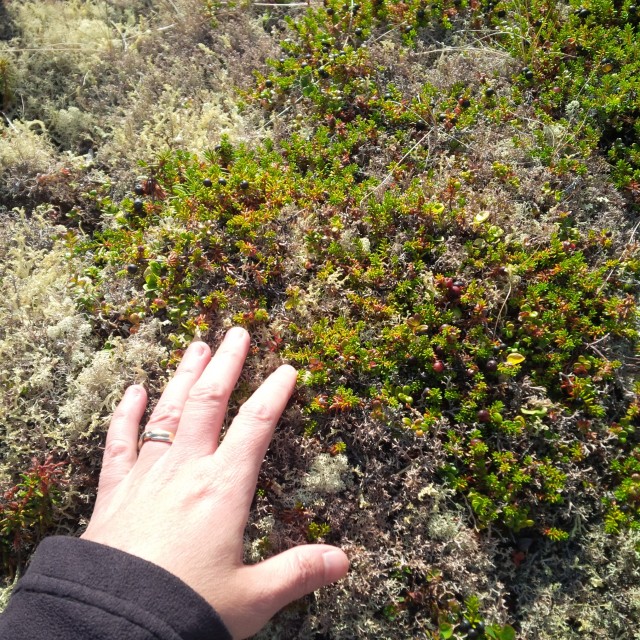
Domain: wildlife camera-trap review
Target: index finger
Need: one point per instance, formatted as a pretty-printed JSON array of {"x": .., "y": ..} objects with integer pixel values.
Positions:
[{"x": 241, "y": 452}]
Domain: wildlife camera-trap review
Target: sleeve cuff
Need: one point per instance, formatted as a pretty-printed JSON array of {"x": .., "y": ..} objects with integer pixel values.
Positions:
[{"x": 122, "y": 584}]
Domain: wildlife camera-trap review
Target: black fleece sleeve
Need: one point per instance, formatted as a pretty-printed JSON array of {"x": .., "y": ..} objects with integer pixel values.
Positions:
[{"x": 80, "y": 590}]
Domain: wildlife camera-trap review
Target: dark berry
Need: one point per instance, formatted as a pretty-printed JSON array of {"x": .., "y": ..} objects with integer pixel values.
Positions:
[
  {"x": 206, "y": 182},
  {"x": 528, "y": 74},
  {"x": 456, "y": 291},
  {"x": 282, "y": 60},
  {"x": 408, "y": 29},
  {"x": 465, "y": 103},
  {"x": 358, "y": 31},
  {"x": 501, "y": 13},
  {"x": 492, "y": 365},
  {"x": 483, "y": 416},
  {"x": 465, "y": 625},
  {"x": 489, "y": 92},
  {"x": 138, "y": 205},
  {"x": 139, "y": 190},
  {"x": 473, "y": 633},
  {"x": 388, "y": 96},
  {"x": 268, "y": 84},
  {"x": 583, "y": 13},
  {"x": 132, "y": 268},
  {"x": 222, "y": 182},
  {"x": 420, "y": 14},
  {"x": 323, "y": 73},
  {"x": 244, "y": 184},
  {"x": 330, "y": 11},
  {"x": 538, "y": 23}
]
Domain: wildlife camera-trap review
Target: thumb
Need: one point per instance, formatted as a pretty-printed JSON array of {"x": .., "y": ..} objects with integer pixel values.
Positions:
[{"x": 298, "y": 571}]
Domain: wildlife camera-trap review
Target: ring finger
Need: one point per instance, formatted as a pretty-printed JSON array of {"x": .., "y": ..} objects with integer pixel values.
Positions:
[{"x": 166, "y": 415}]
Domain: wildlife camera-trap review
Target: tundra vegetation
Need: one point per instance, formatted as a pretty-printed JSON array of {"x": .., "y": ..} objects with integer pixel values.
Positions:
[{"x": 429, "y": 208}]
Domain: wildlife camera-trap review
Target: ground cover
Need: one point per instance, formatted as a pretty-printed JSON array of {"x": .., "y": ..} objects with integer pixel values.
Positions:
[{"x": 429, "y": 209}]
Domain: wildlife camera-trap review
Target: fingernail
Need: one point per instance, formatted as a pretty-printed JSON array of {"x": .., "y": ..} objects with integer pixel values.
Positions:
[
  {"x": 235, "y": 333},
  {"x": 336, "y": 565},
  {"x": 134, "y": 392},
  {"x": 199, "y": 348}
]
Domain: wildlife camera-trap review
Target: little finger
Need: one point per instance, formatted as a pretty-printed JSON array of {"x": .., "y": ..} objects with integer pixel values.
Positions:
[{"x": 121, "y": 448}]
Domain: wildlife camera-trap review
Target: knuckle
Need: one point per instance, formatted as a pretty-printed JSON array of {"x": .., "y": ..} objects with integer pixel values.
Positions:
[
  {"x": 201, "y": 487},
  {"x": 257, "y": 411},
  {"x": 166, "y": 413},
  {"x": 186, "y": 369},
  {"x": 213, "y": 393},
  {"x": 304, "y": 571},
  {"x": 117, "y": 449}
]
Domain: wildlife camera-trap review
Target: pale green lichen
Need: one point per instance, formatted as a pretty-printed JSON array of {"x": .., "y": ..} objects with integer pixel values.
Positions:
[
  {"x": 326, "y": 476},
  {"x": 24, "y": 150}
]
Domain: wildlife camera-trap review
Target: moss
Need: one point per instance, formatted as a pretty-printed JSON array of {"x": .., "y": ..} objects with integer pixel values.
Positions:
[
  {"x": 59, "y": 384},
  {"x": 25, "y": 151}
]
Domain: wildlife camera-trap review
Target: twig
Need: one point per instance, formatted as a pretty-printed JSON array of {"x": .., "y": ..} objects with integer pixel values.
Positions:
[
  {"x": 633, "y": 233},
  {"x": 273, "y": 4},
  {"x": 495, "y": 328},
  {"x": 175, "y": 8},
  {"x": 53, "y": 48},
  {"x": 6, "y": 117},
  {"x": 604, "y": 337},
  {"x": 273, "y": 118},
  {"x": 390, "y": 174},
  {"x": 470, "y": 49},
  {"x": 64, "y": 47},
  {"x": 124, "y": 40}
]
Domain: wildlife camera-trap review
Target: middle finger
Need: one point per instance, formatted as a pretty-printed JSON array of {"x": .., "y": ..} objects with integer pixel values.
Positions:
[{"x": 206, "y": 405}]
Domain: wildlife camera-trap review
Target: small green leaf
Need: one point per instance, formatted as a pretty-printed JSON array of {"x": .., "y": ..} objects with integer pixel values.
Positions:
[
  {"x": 542, "y": 411},
  {"x": 507, "y": 633}
]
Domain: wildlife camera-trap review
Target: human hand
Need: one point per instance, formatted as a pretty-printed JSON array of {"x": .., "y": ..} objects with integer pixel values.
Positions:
[{"x": 184, "y": 506}]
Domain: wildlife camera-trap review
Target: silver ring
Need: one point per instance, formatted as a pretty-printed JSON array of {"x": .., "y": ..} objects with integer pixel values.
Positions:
[{"x": 155, "y": 435}]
